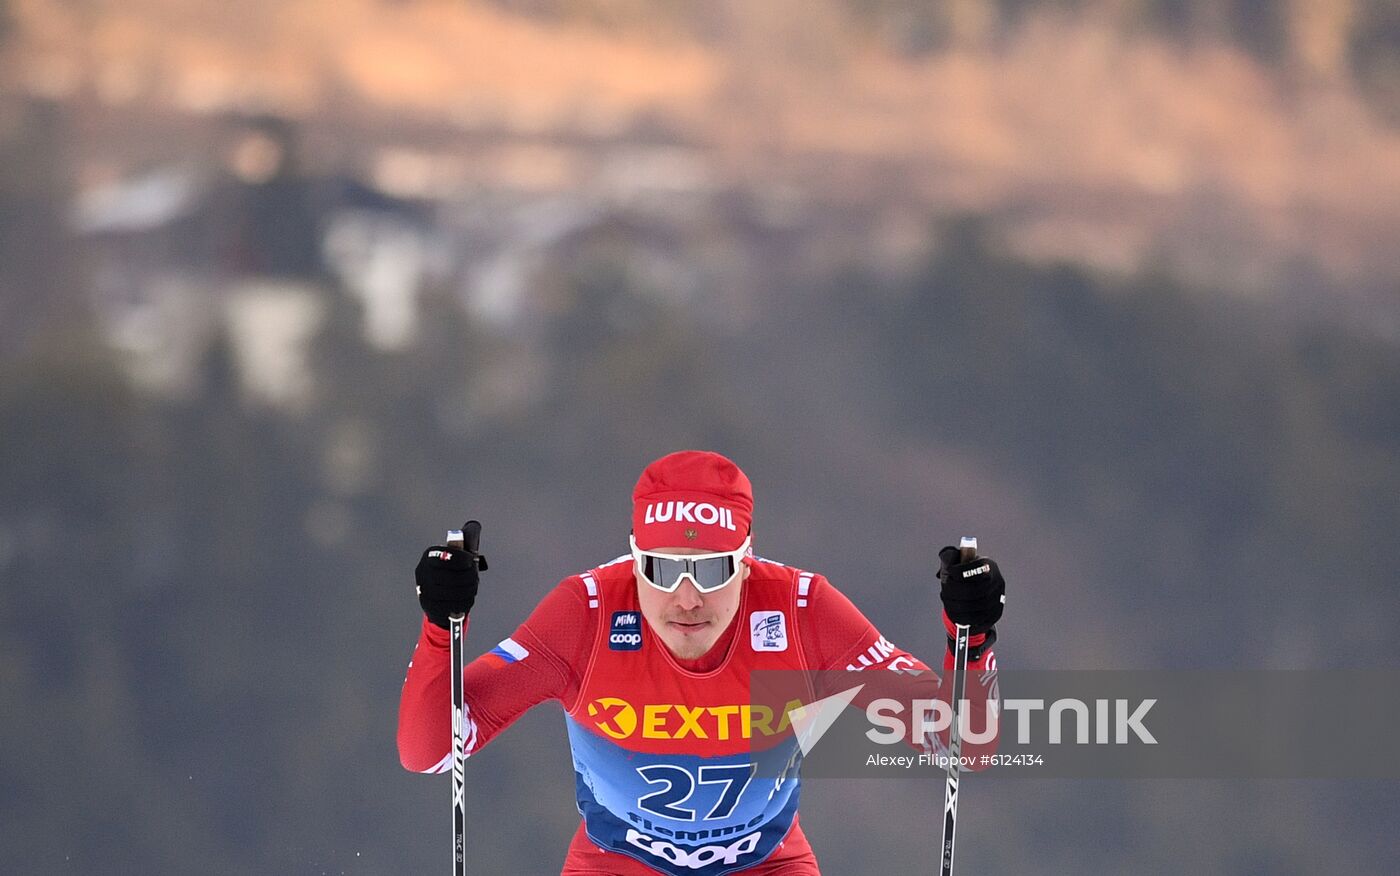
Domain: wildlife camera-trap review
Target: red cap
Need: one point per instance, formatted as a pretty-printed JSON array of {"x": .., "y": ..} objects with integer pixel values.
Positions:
[{"x": 692, "y": 498}]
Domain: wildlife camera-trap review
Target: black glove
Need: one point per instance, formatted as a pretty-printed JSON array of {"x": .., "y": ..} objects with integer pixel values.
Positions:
[
  {"x": 447, "y": 581},
  {"x": 973, "y": 593}
]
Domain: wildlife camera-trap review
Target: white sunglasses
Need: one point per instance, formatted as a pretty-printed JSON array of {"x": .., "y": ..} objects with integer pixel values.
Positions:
[{"x": 708, "y": 572}]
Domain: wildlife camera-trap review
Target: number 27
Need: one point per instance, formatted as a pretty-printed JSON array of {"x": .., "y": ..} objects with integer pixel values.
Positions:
[{"x": 680, "y": 784}]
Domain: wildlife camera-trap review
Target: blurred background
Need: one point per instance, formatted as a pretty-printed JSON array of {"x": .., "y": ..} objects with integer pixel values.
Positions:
[{"x": 289, "y": 287}]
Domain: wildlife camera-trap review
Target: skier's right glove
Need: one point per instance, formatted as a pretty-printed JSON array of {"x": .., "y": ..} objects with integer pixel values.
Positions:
[{"x": 447, "y": 579}]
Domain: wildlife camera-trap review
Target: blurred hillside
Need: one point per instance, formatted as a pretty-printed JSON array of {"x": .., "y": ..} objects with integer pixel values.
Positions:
[
  {"x": 288, "y": 289},
  {"x": 1249, "y": 145}
]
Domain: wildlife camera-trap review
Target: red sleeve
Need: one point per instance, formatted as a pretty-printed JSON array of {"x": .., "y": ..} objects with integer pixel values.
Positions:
[
  {"x": 837, "y": 636},
  {"x": 541, "y": 661}
]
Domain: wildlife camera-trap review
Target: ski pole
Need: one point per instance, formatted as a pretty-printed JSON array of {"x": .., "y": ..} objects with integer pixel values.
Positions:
[
  {"x": 467, "y": 538},
  {"x": 967, "y": 552}
]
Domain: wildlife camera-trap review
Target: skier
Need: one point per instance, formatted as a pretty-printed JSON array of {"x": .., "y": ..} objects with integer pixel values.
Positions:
[{"x": 650, "y": 655}]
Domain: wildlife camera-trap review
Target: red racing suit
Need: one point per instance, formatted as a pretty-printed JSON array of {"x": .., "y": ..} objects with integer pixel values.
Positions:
[{"x": 677, "y": 770}]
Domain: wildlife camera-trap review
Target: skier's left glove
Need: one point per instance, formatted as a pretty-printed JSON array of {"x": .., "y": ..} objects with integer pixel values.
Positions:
[{"x": 973, "y": 593}]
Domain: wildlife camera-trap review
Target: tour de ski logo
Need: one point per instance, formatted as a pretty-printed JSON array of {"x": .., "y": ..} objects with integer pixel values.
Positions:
[
  {"x": 626, "y": 632},
  {"x": 769, "y": 630}
]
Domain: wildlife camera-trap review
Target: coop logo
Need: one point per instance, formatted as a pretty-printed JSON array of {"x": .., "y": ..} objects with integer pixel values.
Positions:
[
  {"x": 619, "y": 719},
  {"x": 626, "y": 632},
  {"x": 694, "y": 859},
  {"x": 690, "y": 512}
]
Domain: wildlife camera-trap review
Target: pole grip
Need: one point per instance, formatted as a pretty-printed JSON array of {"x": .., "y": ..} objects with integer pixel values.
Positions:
[
  {"x": 468, "y": 539},
  {"x": 967, "y": 549}
]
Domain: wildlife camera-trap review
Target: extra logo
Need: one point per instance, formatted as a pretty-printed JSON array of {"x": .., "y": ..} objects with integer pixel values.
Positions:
[
  {"x": 769, "y": 629},
  {"x": 613, "y": 716},
  {"x": 618, "y": 719},
  {"x": 626, "y": 631}
]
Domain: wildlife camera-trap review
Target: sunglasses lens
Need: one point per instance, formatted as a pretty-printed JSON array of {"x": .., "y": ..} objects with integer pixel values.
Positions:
[
  {"x": 713, "y": 573},
  {"x": 663, "y": 572}
]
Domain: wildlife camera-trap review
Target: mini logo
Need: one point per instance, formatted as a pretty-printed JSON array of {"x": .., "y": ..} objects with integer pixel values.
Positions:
[
  {"x": 769, "y": 629},
  {"x": 691, "y": 534},
  {"x": 626, "y": 634}
]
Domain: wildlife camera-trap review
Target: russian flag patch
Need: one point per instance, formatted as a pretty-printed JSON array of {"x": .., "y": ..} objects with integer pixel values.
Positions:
[{"x": 510, "y": 651}]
